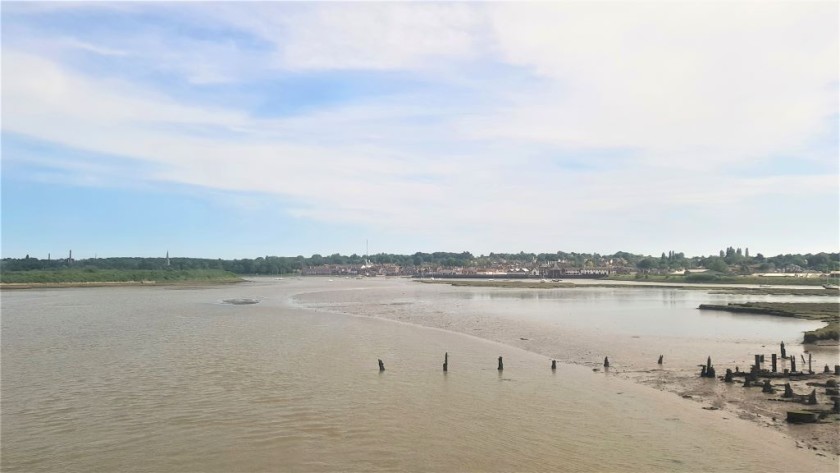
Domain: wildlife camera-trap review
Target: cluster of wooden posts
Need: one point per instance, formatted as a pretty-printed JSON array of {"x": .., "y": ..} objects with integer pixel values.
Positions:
[
  {"x": 757, "y": 371},
  {"x": 751, "y": 380}
]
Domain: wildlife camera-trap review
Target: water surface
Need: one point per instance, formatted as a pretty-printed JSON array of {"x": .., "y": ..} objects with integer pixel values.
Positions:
[{"x": 160, "y": 379}]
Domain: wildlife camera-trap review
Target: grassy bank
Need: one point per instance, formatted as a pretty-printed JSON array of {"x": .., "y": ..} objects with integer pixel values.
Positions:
[
  {"x": 721, "y": 279},
  {"x": 533, "y": 284},
  {"x": 824, "y": 311},
  {"x": 520, "y": 284},
  {"x": 86, "y": 276}
]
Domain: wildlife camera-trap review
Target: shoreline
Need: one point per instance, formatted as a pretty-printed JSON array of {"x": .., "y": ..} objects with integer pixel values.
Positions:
[
  {"x": 715, "y": 288},
  {"x": 732, "y": 399},
  {"x": 80, "y": 284}
]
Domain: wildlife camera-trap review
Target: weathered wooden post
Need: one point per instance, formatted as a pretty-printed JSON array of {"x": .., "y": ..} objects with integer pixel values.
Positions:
[
  {"x": 761, "y": 358},
  {"x": 784, "y": 355},
  {"x": 812, "y": 398},
  {"x": 606, "y": 362},
  {"x": 827, "y": 369},
  {"x": 702, "y": 371},
  {"x": 501, "y": 365},
  {"x": 792, "y": 364},
  {"x": 553, "y": 365},
  {"x": 837, "y": 370},
  {"x": 660, "y": 360},
  {"x": 757, "y": 363},
  {"x": 811, "y": 371},
  {"x": 446, "y": 362},
  {"x": 747, "y": 381},
  {"x": 381, "y": 366},
  {"x": 836, "y": 407},
  {"x": 727, "y": 378},
  {"x": 802, "y": 355},
  {"x": 788, "y": 391},
  {"x": 708, "y": 364},
  {"x": 773, "y": 361},
  {"x": 767, "y": 387}
]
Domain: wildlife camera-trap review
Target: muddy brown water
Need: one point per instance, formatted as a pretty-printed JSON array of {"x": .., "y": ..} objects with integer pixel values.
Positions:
[{"x": 161, "y": 379}]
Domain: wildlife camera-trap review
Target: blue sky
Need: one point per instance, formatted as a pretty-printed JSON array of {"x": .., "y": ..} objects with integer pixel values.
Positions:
[{"x": 240, "y": 130}]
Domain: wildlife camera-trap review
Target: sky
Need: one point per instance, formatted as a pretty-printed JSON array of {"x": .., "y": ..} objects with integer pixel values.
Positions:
[{"x": 238, "y": 130}]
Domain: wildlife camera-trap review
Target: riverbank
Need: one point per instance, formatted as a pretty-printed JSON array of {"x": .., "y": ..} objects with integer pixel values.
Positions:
[
  {"x": 579, "y": 325},
  {"x": 828, "y": 312},
  {"x": 717, "y": 288},
  {"x": 113, "y": 277}
]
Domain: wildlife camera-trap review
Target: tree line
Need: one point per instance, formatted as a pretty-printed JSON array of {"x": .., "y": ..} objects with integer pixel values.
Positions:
[{"x": 729, "y": 260}]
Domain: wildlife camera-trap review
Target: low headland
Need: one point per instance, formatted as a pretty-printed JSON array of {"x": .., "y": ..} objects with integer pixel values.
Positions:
[
  {"x": 726, "y": 287},
  {"x": 824, "y": 311},
  {"x": 113, "y": 277}
]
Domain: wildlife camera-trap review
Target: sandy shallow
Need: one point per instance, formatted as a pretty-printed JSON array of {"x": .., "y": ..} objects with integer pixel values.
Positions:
[{"x": 634, "y": 359}]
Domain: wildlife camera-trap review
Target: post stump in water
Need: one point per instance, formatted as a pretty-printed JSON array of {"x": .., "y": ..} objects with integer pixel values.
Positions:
[
  {"x": 501, "y": 365},
  {"x": 792, "y": 364},
  {"x": 747, "y": 382},
  {"x": 446, "y": 362},
  {"x": 660, "y": 360},
  {"x": 837, "y": 370},
  {"x": 784, "y": 355},
  {"x": 810, "y": 370},
  {"x": 381, "y": 366},
  {"x": 773, "y": 362},
  {"x": 727, "y": 378},
  {"x": 702, "y": 371},
  {"x": 606, "y": 362},
  {"x": 812, "y": 398},
  {"x": 788, "y": 391},
  {"x": 757, "y": 363},
  {"x": 553, "y": 364},
  {"x": 767, "y": 387},
  {"x": 826, "y": 369}
]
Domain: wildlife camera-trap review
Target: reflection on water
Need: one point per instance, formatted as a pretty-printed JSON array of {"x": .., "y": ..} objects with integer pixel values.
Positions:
[{"x": 151, "y": 379}]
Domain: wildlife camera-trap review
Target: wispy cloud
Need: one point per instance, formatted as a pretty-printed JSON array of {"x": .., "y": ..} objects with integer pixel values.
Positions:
[{"x": 520, "y": 123}]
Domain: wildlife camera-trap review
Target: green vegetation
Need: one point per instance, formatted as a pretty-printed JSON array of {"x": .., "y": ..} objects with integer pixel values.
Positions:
[
  {"x": 729, "y": 263},
  {"x": 824, "y": 311},
  {"x": 717, "y": 278},
  {"x": 90, "y": 275}
]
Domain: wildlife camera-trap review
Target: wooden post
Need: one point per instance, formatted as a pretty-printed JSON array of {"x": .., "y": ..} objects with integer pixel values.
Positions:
[
  {"x": 826, "y": 369},
  {"x": 702, "y": 371},
  {"x": 788, "y": 391},
  {"x": 802, "y": 355},
  {"x": 606, "y": 362},
  {"x": 809, "y": 364},
  {"x": 747, "y": 382},
  {"x": 708, "y": 364},
  {"x": 812, "y": 398},
  {"x": 660, "y": 360},
  {"x": 837, "y": 370},
  {"x": 792, "y": 364},
  {"x": 381, "y": 366},
  {"x": 501, "y": 365},
  {"x": 553, "y": 365},
  {"x": 767, "y": 388},
  {"x": 758, "y": 362},
  {"x": 773, "y": 361},
  {"x": 728, "y": 377},
  {"x": 784, "y": 355},
  {"x": 446, "y": 362}
]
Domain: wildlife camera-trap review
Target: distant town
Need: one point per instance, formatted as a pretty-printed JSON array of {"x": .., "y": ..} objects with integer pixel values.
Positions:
[{"x": 729, "y": 261}]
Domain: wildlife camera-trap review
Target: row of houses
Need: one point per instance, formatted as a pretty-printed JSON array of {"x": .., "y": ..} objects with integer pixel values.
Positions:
[{"x": 554, "y": 270}]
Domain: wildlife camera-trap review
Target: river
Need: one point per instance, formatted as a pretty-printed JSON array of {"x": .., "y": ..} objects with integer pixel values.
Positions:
[{"x": 175, "y": 379}]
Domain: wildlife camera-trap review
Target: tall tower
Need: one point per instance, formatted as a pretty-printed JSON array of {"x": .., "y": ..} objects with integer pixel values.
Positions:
[{"x": 167, "y": 257}]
